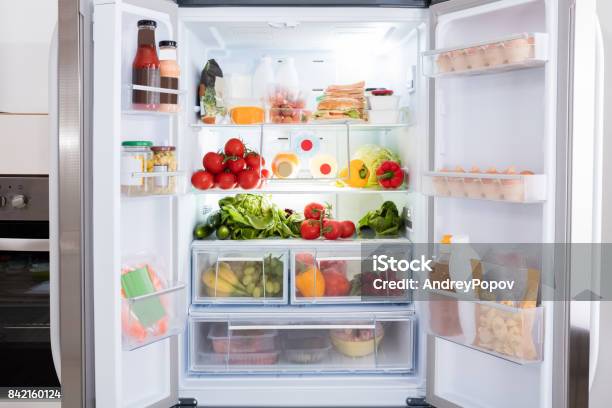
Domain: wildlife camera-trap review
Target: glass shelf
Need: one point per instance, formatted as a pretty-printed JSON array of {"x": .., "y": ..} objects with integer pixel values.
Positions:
[{"x": 313, "y": 126}]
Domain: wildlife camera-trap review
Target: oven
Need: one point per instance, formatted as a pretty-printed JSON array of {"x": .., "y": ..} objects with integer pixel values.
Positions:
[{"x": 25, "y": 344}]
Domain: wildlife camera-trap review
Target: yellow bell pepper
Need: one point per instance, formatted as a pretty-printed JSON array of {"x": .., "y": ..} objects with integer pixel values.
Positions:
[{"x": 359, "y": 174}]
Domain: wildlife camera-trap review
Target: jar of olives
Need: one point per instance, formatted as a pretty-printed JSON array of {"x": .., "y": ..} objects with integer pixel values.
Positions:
[{"x": 163, "y": 161}]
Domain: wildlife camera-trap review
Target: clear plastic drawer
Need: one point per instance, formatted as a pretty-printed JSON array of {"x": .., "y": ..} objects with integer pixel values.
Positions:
[
  {"x": 240, "y": 276},
  {"x": 283, "y": 345},
  {"x": 344, "y": 274}
]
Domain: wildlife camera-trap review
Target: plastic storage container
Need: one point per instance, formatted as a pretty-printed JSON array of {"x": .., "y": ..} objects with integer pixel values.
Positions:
[
  {"x": 306, "y": 346},
  {"x": 383, "y": 102},
  {"x": 384, "y": 117},
  {"x": 135, "y": 158},
  {"x": 239, "y": 359},
  {"x": 241, "y": 341}
]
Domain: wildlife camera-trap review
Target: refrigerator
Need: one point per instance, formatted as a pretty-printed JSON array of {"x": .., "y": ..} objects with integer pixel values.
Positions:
[{"x": 460, "y": 108}]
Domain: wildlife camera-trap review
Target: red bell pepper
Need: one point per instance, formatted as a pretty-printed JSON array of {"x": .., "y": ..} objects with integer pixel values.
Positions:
[{"x": 390, "y": 174}]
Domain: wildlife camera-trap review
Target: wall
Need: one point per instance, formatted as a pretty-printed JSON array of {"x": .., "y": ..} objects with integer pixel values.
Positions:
[{"x": 26, "y": 28}]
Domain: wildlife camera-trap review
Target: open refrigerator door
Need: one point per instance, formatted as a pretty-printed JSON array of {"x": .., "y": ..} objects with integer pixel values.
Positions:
[
  {"x": 140, "y": 303},
  {"x": 496, "y": 175}
]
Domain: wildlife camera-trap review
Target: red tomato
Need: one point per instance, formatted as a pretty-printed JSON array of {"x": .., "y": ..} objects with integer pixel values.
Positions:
[
  {"x": 202, "y": 180},
  {"x": 265, "y": 173},
  {"x": 348, "y": 229},
  {"x": 310, "y": 229},
  {"x": 248, "y": 179},
  {"x": 313, "y": 211},
  {"x": 331, "y": 229},
  {"x": 235, "y": 164},
  {"x": 336, "y": 284},
  {"x": 225, "y": 180},
  {"x": 234, "y": 147},
  {"x": 213, "y": 162},
  {"x": 254, "y": 161}
]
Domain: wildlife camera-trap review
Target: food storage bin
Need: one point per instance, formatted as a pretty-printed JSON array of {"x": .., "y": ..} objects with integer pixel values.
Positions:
[
  {"x": 247, "y": 276},
  {"x": 135, "y": 158},
  {"x": 306, "y": 346},
  {"x": 383, "y": 102},
  {"x": 518, "y": 188},
  {"x": 152, "y": 317},
  {"x": 344, "y": 274},
  {"x": 384, "y": 117},
  {"x": 517, "y": 51},
  {"x": 289, "y": 115},
  {"x": 288, "y": 105},
  {"x": 241, "y": 341},
  {"x": 163, "y": 161},
  {"x": 515, "y": 334},
  {"x": 380, "y": 342}
]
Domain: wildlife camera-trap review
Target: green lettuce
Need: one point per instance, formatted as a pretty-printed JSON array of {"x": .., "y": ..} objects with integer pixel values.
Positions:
[{"x": 252, "y": 216}]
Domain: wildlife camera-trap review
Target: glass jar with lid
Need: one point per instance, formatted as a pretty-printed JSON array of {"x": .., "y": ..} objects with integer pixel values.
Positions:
[
  {"x": 163, "y": 161},
  {"x": 135, "y": 158}
]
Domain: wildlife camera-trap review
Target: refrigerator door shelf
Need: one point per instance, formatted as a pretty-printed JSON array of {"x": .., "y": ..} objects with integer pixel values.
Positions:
[
  {"x": 153, "y": 317},
  {"x": 294, "y": 346},
  {"x": 153, "y": 184},
  {"x": 245, "y": 276},
  {"x": 512, "y": 188},
  {"x": 329, "y": 274},
  {"x": 166, "y": 110},
  {"x": 519, "y": 51},
  {"x": 512, "y": 333}
]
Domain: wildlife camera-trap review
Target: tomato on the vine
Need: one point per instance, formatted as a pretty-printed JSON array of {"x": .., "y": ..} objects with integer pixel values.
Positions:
[
  {"x": 234, "y": 147},
  {"x": 235, "y": 164},
  {"x": 213, "y": 162},
  {"x": 225, "y": 181}
]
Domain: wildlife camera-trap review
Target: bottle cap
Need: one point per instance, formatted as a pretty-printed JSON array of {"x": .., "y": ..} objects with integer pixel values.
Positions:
[{"x": 147, "y": 23}]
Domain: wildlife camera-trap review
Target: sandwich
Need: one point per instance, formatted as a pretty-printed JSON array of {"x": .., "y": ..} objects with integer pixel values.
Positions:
[
  {"x": 342, "y": 102},
  {"x": 338, "y": 108}
]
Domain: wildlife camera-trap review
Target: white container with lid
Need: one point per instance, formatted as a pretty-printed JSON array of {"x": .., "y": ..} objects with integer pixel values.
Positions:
[
  {"x": 384, "y": 117},
  {"x": 383, "y": 102}
]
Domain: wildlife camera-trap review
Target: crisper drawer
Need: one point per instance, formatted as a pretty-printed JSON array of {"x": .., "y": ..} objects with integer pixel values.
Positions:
[
  {"x": 515, "y": 334},
  {"x": 346, "y": 274},
  {"x": 282, "y": 345},
  {"x": 245, "y": 276}
]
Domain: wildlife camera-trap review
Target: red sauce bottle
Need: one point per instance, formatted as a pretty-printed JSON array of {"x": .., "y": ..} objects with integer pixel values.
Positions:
[{"x": 145, "y": 68}]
